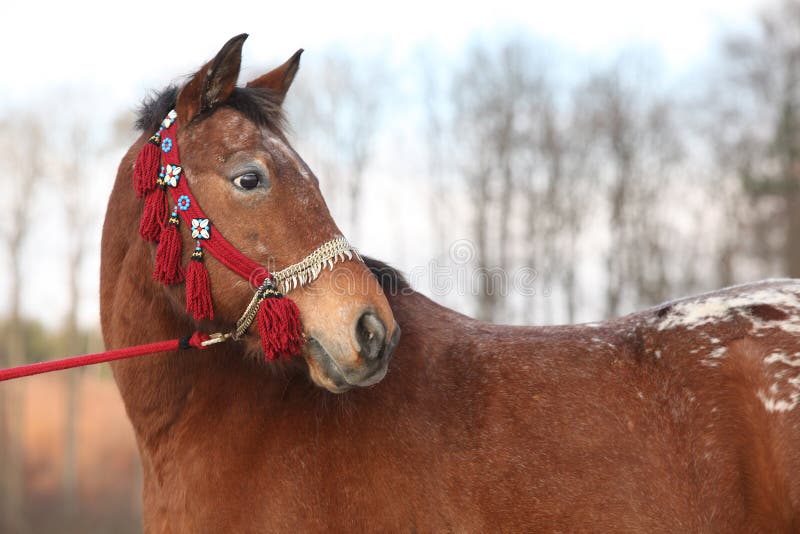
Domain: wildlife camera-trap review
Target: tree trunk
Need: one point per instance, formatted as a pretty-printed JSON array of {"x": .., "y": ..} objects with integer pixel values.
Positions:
[
  {"x": 11, "y": 399},
  {"x": 485, "y": 296},
  {"x": 792, "y": 245},
  {"x": 74, "y": 345}
]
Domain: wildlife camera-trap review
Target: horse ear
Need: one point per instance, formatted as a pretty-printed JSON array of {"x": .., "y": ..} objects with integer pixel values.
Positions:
[
  {"x": 213, "y": 83},
  {"x": 279, "y": 80}
]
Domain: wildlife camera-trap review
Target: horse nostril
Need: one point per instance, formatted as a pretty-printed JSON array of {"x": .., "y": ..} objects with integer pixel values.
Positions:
[{"x": 371, "y": 334}]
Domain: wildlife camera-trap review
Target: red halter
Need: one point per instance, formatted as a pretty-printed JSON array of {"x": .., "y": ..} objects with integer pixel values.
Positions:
[{"x": 157, "y": 170}]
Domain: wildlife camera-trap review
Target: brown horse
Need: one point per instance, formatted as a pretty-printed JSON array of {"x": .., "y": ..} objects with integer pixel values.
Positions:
[{"x": 677, "y": 419}]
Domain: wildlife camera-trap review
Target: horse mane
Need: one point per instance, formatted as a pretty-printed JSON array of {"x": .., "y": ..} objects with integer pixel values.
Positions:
[
  {"x": 259, "y": 105},
  {"x": 389, "y": 278}
]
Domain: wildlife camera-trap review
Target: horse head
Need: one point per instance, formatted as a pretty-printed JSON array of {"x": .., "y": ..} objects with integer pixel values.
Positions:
[{"x": 266, "y": 202}]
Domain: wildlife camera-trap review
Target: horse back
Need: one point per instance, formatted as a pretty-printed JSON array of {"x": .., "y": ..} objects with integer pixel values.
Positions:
[{"x": 681, "y": 417}]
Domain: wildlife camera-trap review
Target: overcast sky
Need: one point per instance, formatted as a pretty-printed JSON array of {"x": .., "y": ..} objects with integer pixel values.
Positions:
[
  {"x": 125, "y": 47},
  {"x": 115, "y": 54}
]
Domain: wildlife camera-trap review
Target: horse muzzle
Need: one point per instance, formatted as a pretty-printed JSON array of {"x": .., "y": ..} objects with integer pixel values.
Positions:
[{"x": 339, "y": 370}]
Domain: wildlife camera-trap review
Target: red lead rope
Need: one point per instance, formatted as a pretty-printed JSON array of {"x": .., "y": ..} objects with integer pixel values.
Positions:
[{"x": 196, "y": 341}]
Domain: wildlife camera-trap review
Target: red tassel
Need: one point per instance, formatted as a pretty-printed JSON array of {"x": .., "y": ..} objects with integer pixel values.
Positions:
[
  {"x": 168, "y": 255},
  {"x": 279, "y": 326},
  {"x": 145, "y": 171},
  {"x": 198, "y": 288},
  {"x": 154, "y": 215}
]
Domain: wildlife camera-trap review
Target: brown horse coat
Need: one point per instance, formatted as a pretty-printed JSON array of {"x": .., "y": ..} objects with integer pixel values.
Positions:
[
  {"x": 681, "y": 418},
  {"x": 677, "y": 419}
]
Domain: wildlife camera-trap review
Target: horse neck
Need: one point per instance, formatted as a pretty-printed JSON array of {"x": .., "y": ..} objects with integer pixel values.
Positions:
[
  {"x": 157, "y": 389},
  {"x": 429, "y": 330},
  {"x": 136, "y": 310}
]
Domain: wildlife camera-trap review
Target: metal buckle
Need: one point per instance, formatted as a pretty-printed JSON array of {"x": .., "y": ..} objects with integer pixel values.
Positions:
[{"x": 215, "y": 338}]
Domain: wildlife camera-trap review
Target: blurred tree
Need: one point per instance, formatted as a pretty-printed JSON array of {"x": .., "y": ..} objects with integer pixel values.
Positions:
[
  {"x": 22, "y": 153},
  {"x": 437, "y": 142},
  {"x": 336, "y": 108},
  {"x": 759, "y": 99},
  {"x": 635, "y": 146},
  {"x": 499, "y": 95},
  {"x": 72, "y": 173},
  {"x": 564, "y": 146},
  {"x": 75, "y": 150},
  {"x": 723, "y": 151},
  {"x": 524, "y": 161}
]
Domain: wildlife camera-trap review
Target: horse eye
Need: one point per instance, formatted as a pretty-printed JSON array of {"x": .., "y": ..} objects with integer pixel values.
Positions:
[{"x": 247, "y": 181}]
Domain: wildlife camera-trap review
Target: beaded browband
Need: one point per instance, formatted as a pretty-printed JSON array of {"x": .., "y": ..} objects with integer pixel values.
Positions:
[{"x": 158, "y": 170}]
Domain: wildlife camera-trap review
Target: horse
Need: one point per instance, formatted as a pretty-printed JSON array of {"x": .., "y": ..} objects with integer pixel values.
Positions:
[{"x": 678, "y": 418}]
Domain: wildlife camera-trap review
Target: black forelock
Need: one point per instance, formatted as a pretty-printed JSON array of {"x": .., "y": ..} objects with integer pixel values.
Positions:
[{"x": 261, "y": 106}]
